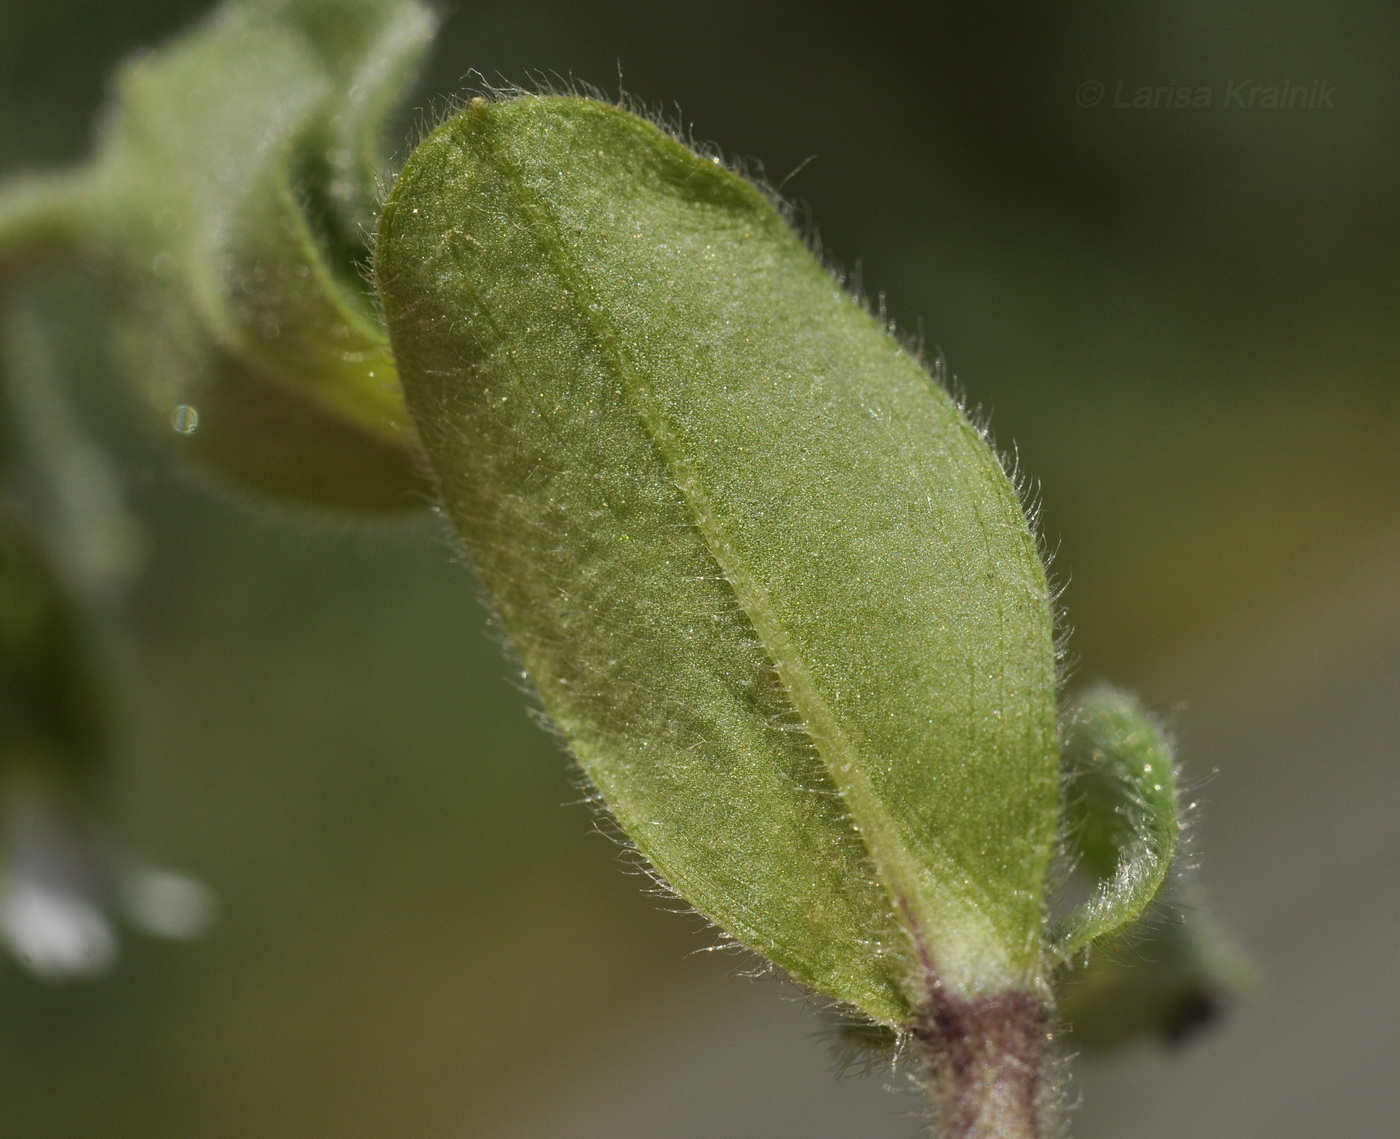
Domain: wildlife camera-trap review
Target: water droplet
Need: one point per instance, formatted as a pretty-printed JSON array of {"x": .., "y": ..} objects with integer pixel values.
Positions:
[{"x": 184, "y": 419}]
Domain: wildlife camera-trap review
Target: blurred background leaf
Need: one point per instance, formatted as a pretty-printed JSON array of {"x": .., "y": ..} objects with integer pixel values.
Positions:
[{"x": 1184, "y": 322}]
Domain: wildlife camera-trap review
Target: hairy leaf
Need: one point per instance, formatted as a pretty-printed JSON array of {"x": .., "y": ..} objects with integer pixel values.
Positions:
[
  {"x": 1121, "y": 813},
  {"x": 1172, "y": 976},
  {"x": 773, "y": 587}
]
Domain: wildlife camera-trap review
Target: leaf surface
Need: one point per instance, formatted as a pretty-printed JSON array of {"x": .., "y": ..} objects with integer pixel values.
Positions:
[
  {"x": 773, "y": 587},
  {"x": 1171, "y": 976},
  {"x": 229, "y": 204},
  {"x": 1121, "y": 816}
]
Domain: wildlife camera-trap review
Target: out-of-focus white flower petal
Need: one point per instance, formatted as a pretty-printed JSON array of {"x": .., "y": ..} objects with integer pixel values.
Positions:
[
  {"x": 54, "y": 933},
  {"x": 166, "y": 904},
  {"x": 63, "y": 875}
]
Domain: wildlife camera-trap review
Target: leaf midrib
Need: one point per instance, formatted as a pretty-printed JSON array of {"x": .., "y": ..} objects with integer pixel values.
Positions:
[{"x": 866, "y": 812}]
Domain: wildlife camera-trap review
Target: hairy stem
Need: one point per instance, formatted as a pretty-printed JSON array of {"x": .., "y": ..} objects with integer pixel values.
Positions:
[{"x": 982, "y": 1063}]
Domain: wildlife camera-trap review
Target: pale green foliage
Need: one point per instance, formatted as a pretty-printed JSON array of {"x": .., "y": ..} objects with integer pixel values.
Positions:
[
  {"x": 226, "y": 211},
  {"x": 1170, "y": 976},
  {"x": 1121, "y": 815},
  {"x": 771, "y": 584},
  {"x": 1142, "y": 957}
]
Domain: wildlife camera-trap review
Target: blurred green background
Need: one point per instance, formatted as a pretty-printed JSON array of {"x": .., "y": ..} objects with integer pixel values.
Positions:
[{"x": 1183, "y": 320}]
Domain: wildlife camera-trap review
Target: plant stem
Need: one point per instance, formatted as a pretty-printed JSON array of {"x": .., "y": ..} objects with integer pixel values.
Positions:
[
  {"x": 41, "y": 225},
  {"x": 982, "y": 1063}
]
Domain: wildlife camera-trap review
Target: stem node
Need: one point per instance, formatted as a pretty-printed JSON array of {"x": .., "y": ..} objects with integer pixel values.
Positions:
[{"x": 982, "y": 1061}]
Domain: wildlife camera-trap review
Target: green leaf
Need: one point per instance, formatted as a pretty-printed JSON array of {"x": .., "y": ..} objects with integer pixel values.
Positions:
[
  {"x": 227, "y": 209},
  {"x": 773, "y": 587},
  {"x": 1121, "y": 815},
  {"x": 372, "y": 51},
  {"x": 1171, "y": 976}
]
